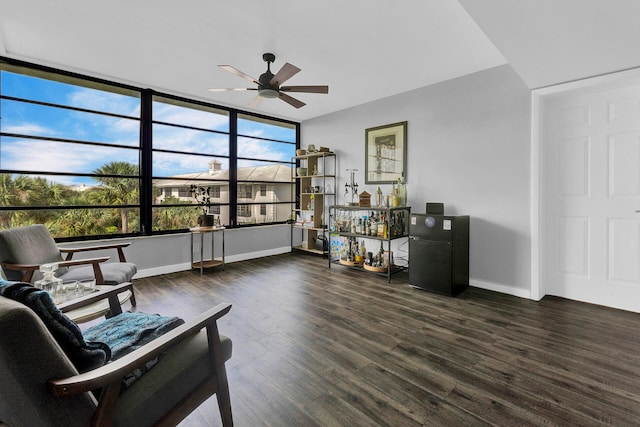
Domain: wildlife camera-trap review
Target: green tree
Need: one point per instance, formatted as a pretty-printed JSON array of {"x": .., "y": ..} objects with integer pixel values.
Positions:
[
  {"x": 29, "y": 191},
  {"x": 174, "y": 217},
  {"x": 116, "y": 189}
]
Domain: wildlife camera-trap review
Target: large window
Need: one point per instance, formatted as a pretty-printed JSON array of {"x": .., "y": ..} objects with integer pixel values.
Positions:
[
  {"x": 92, "y": 158},
  {"x": 190, "y": 150},
  {"x": 265, "y": 149},
  {"x": 69, "y": 154}
]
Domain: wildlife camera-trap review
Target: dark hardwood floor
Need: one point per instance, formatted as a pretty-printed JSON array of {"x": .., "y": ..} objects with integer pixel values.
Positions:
[{"x": 320, "y": 347}]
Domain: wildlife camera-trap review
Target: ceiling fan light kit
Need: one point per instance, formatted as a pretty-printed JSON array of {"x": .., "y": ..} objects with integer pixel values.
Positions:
[
  {"x": 269, "y": 84},
  {"x": 268, "y": 93}
]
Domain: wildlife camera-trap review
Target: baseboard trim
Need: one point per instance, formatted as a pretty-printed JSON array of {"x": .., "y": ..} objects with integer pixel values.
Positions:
[
  {"x": 258, "y": 254},
  {"x": 509, "y": 290},
  {"x": 185, "y": 266}
]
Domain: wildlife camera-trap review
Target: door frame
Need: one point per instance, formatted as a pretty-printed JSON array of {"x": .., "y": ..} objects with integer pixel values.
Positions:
[{"x": 538, "y": 132}]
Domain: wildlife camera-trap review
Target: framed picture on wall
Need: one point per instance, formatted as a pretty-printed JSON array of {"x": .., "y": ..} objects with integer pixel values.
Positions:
[{"x": 385, "y": 153}]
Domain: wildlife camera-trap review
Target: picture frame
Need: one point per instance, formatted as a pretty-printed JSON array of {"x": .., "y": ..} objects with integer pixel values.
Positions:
[{"x": 385, "y": 153}]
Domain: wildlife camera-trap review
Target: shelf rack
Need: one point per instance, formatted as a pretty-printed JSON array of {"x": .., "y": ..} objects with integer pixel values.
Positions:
[
  {"x": 314, "y": 191},
  {"x": 400, "y": 232}
]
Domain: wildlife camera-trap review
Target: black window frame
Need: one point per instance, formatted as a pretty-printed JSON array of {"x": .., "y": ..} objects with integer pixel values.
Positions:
[{"x": 146, "y": 196}]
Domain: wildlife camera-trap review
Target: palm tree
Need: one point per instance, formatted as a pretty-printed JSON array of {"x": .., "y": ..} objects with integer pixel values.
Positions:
[{"x": 117, "y": 188}]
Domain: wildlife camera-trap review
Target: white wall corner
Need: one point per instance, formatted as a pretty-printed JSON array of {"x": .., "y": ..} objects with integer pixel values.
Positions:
[{"x": 537, "y": 287}]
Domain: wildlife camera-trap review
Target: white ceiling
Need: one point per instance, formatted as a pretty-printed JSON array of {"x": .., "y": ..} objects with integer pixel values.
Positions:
[{"x": 363, "y": 49}]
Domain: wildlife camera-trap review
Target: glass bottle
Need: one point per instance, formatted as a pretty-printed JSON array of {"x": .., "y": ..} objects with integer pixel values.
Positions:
[
  {"x": 372, "y": 225},
  {"x": 381, "y": 225},
  {"x": 49, "y": 281},
  {"x": 379, "y": 197},
  {"x": 402, "y": 190}
]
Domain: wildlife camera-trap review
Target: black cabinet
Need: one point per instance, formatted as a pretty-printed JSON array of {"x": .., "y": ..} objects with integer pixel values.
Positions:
[{"x": 439, "y": 253}]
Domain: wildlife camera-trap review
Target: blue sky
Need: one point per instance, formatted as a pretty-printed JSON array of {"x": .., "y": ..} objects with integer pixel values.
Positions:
[{"x": 52, "y": 156}]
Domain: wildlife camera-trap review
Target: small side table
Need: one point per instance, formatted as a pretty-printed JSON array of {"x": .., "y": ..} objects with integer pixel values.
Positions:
[
  {"x": 96, "y": 309},
  {"x": 206, "y": 263}
]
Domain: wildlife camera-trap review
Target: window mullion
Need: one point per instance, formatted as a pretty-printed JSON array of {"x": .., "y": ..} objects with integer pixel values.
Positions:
[
  {"x": 233, "y": 168},
  {"x": 146, "y": 145}
]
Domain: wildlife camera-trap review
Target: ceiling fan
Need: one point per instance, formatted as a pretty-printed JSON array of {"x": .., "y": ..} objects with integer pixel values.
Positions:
[{"x": 269, "y": 84}]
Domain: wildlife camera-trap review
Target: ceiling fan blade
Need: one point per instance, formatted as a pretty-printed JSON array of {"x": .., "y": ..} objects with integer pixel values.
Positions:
[
  {"x": 286, "y": 72},
  {"x": 308, "y": 89},
  {"x": 237, "y": 72},
  {"x": 255, "y": 101},
  {"x": 291, "y": 100},
  {"x": 236, "y": 89}
]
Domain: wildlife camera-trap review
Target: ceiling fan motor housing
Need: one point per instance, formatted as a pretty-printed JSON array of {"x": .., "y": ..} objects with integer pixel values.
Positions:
[
  {"x": 268, "y": 57},
  {"x": 264, "y": 87}
]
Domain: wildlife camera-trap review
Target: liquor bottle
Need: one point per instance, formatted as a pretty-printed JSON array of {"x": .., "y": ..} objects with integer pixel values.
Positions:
[
  {"x": 380, "y": 232},
  {"x": 373, "y": 230},
  {"x": 392, "y": 225},
  {"x": 385, "y": 228}
]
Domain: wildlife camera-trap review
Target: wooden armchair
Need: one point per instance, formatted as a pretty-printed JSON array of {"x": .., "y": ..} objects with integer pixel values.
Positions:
[
  {"x": 23, "y": 250},
  {"x": 42, "y": 387}
]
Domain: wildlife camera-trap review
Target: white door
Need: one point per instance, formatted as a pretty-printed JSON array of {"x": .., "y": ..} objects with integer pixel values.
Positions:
[{"x": 591, "y": 197}]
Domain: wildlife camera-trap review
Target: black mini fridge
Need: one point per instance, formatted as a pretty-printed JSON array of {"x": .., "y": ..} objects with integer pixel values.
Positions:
[{"x": 439, "y": 253}]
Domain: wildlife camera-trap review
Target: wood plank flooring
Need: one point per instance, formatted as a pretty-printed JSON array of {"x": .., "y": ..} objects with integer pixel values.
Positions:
[{"x": 337, "y": 347}]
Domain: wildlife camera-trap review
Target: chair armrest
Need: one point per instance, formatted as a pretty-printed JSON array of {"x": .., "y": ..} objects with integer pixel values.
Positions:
[
  {"x": 29, "y": 269},
  {"x": 117, "y": 246},
  {"x": 95, "y": 296},
  {"x": 114, "y": 372}
]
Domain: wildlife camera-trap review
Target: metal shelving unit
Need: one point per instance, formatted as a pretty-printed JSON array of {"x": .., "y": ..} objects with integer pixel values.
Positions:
[
  {"x": 314, "y": 191},
  {"x": 397, "y": 228}
]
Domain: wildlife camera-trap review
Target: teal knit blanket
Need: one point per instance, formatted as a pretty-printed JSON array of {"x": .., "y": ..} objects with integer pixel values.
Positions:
[{"x": 100, "y": 344}]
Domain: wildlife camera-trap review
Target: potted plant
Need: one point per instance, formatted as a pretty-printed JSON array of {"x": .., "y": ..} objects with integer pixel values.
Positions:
[{"x": 203, "y": 198}]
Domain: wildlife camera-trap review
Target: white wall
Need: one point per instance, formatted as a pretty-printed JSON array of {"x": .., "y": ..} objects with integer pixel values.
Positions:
[
  {"x": 469, "y": 147},
  {"x": 170, "y": 253}
]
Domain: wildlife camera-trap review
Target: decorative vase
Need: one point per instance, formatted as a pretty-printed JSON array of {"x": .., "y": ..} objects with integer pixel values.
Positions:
[{"x": 205, "y": 220}]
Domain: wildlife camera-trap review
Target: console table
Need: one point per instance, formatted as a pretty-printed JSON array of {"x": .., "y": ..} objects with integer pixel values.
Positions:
[{"x": 206, "y": 263}]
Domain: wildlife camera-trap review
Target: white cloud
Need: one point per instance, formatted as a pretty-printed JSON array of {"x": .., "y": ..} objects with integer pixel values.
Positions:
[
  {"x": 28, "y": 129},
  {"x": 93, "y": 99},
  {"x": 260, "y": 149},
  {"x": 51, "y": 156},
  {"x": 189, "y": 117}
]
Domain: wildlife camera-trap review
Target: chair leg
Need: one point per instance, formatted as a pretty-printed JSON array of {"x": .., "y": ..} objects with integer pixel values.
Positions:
[
  {"x": 114, "y": 306},
  {"x": 224, "y": 399},
  {"x": 133, "y": 296}
]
